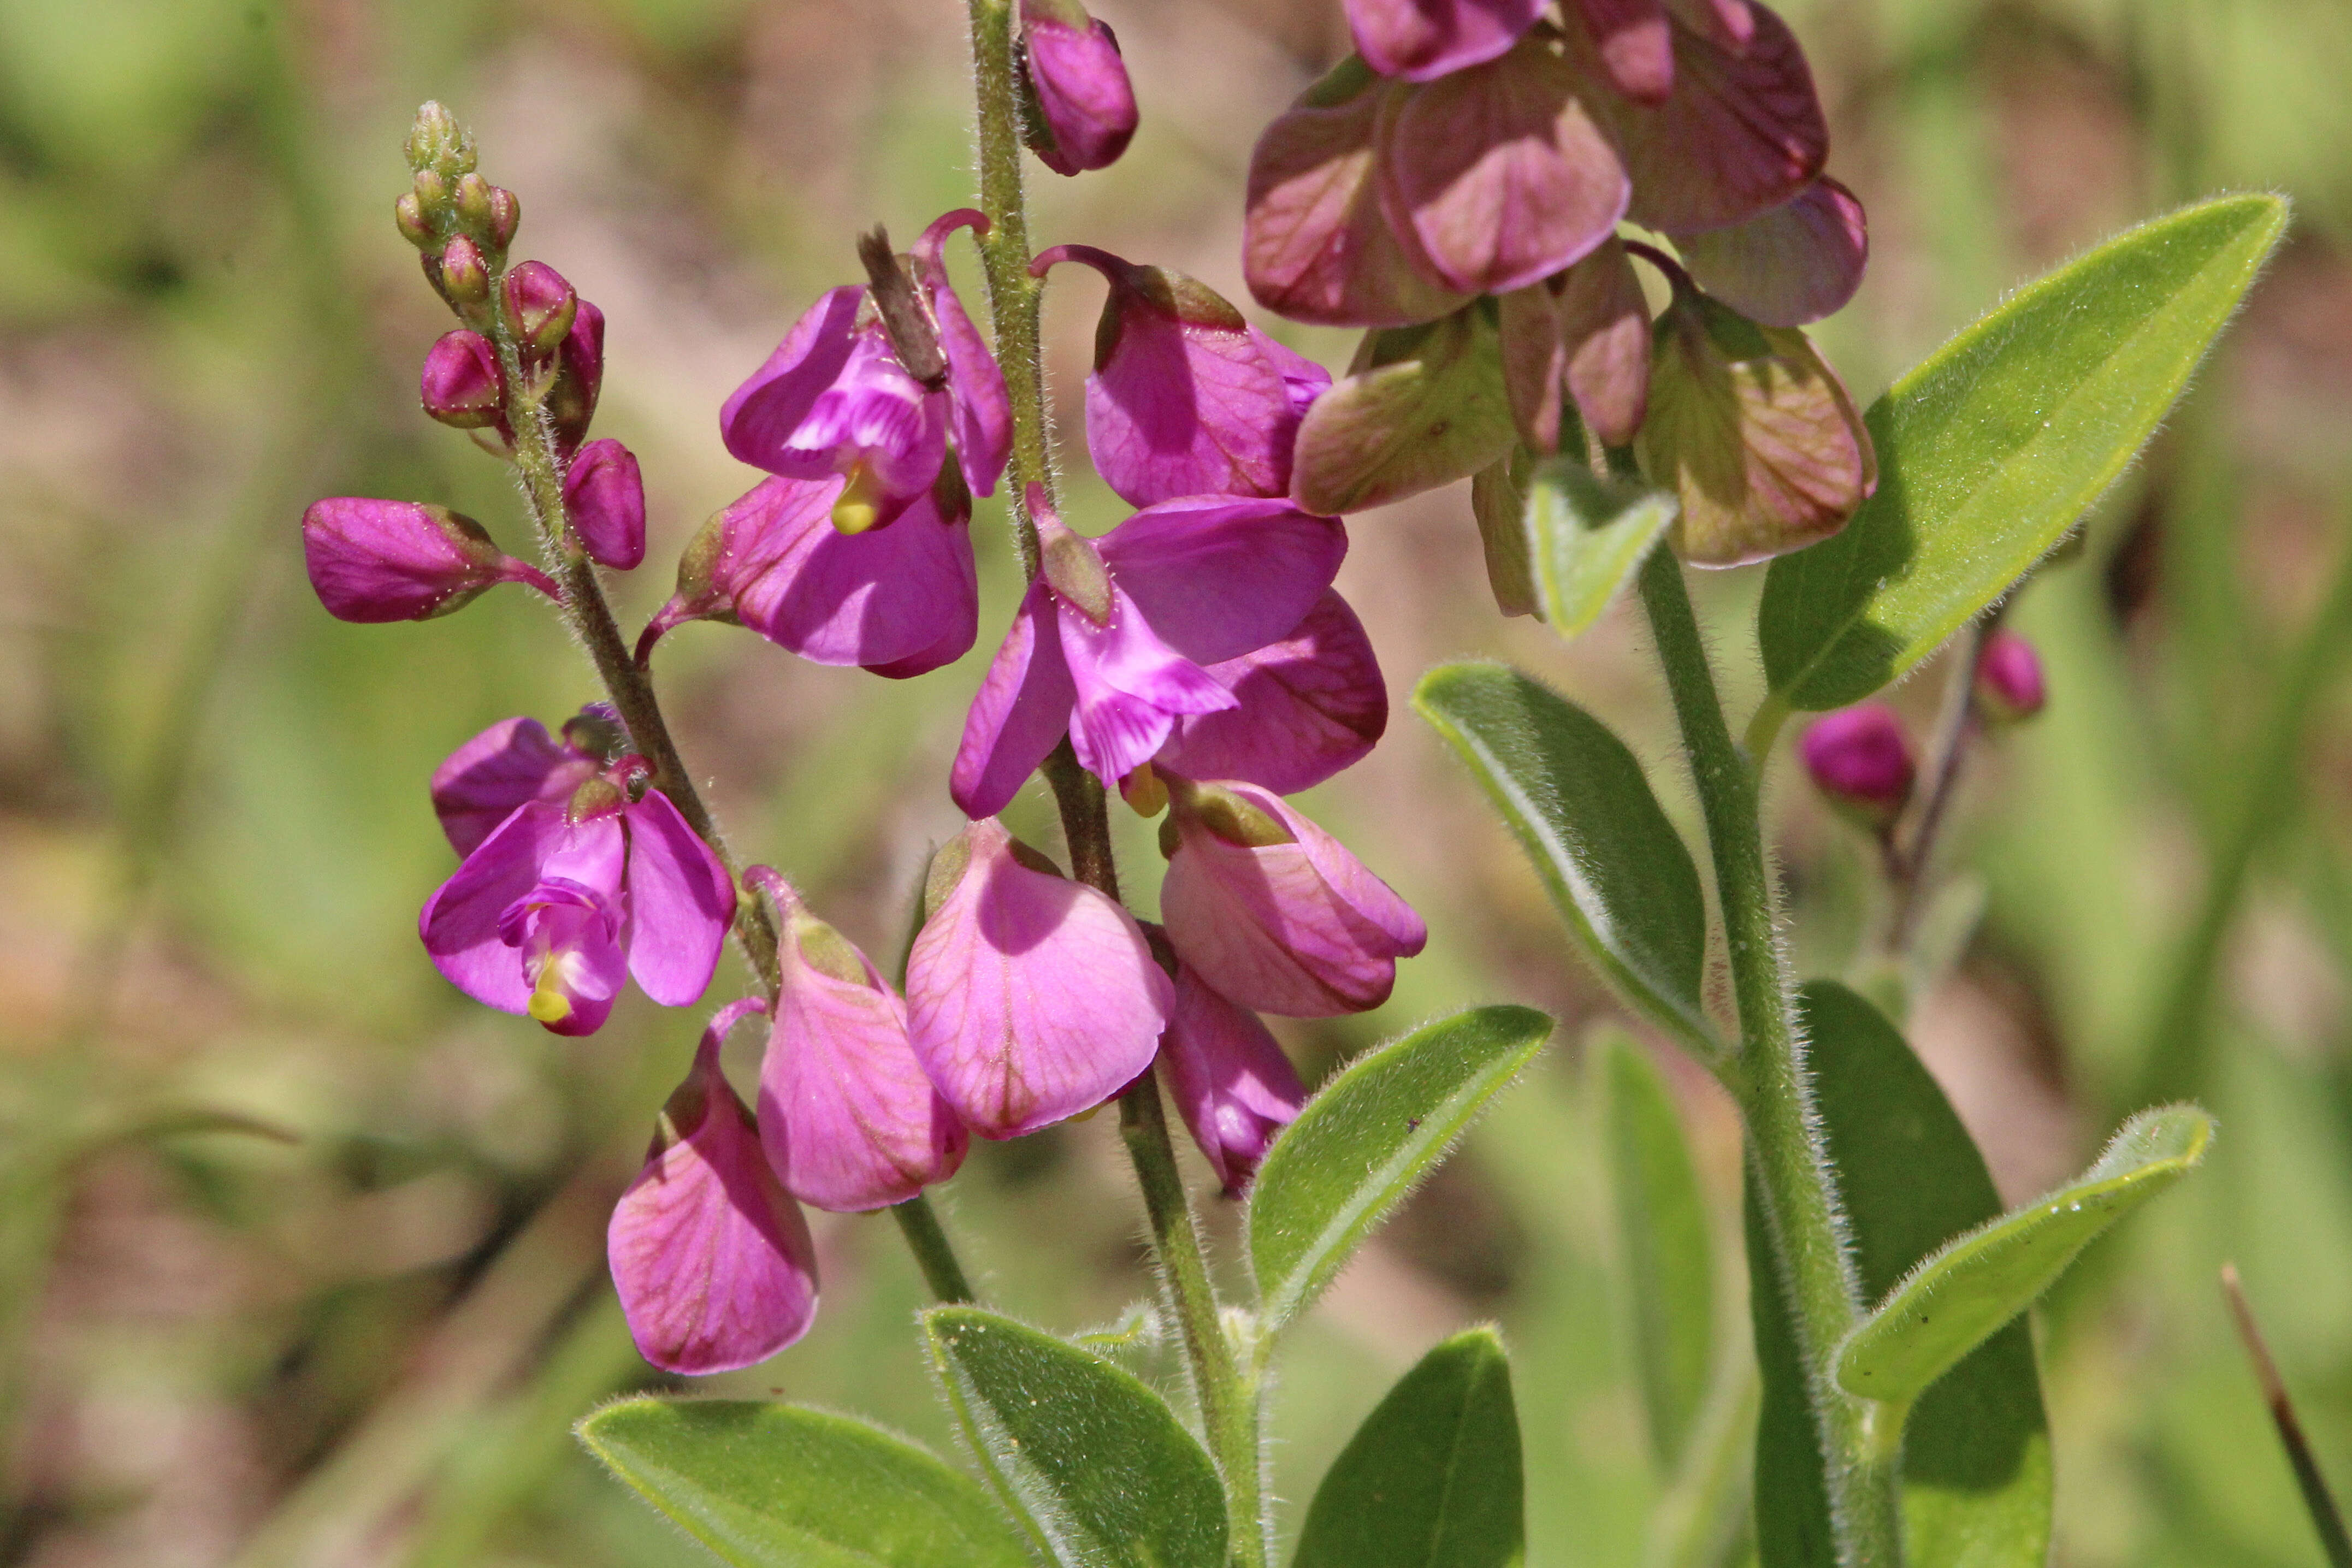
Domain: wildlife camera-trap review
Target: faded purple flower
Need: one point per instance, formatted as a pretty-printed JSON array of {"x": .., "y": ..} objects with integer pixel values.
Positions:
[
  {"x": 1310, "y": 705},
  {"x": 565, "y": 898},
  {"x": 1186, "y": 397},
  {"x": 1860, "y": 759},
  {"x": 606, "y": 495},
  {"x": 1082, "y": 95},
  {"x": 1110, "y": 641},
  {"x": 713, "y": 1262},
  {"x": 1030, "y": 998},
  {"x": 1273, "y": 911},
  {"x": 1796, "y": 263},
  {"x": 2009, "y": 685},
  {"x": 1229, "y": 1079},
  {"x": 461, "y": 384},
  {"x": 375, "y": 561},
  {"x": 1423, "y": 40},
  {"x": 848, "y": 1119}
]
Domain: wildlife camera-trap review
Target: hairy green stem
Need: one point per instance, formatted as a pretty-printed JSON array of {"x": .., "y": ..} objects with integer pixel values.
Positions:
[
  {"x": 1229, "y": 1406},
  {"x": 1769, "y": 1079},
  {"x": 933, "y": 1254}
]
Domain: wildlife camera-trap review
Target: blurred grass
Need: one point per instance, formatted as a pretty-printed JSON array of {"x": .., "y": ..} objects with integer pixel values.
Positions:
[{"x": 366, "y": 1347}]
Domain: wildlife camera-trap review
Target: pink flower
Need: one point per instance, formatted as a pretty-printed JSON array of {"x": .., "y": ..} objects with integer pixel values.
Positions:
[
  {"x": 564, "y": 898},
  {"x": 713, "y": 1262},
  {"x": 1082, "y": 96},
  {"x": 899, "y": 601},
  {"x": 1186, "y": 398},
  {"x": 1229, "y": 1079},
  {"x": 2009, "y": 685},
  {"x": 1423, "y": 40},
  {"x": 400, "y": 560},
  {"x": 833, "y": 399},
  {"x": 1860, "y": 761},
  {"x": 606, "y": 495},
  {"x": 848, "y": 1117},
  {"x": 1110, "y": 641},
  {"x": 1030, "y": 998},
  {"x": 579, "y": 378},
  {"x": 1309, "y": 706},
  {"x": 1273, "y": 911}
]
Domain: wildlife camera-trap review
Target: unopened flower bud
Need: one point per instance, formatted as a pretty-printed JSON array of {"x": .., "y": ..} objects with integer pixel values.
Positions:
[
  {"x": 461, "y": 384},
  {"x": 606, "y": 497},
  {"x": 2008, "y": 683},
  {"x": 579, "y": 377},
  {"x": 375, "y": 561},
  {"x": 505, "y": 218},
  {"x": 472, "y": 202},
  {"x": 438, "y": 143},
  {"x": 1082, "y": 107},
  {"x": 465, "y": 276},
  {"x": 1860, "y": 759},
  {"x": 415, "y": 226},
  {"x": 540, "y": 307}
]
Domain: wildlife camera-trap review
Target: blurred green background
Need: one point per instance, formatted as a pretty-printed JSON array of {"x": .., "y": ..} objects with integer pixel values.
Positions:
[{"x": 302, "y": 1254}]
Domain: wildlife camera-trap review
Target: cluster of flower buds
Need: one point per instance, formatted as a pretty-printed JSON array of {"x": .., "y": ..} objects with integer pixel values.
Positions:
[{"x": 1078, "y": 108}]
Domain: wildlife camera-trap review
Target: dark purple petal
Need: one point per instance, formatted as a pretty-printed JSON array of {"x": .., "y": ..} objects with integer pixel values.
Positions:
[
  {"x": 459, "y": 924},
  {"x": 1221, "y": 576},
  {"x": 1082, "y": 87},
  {"x": 1229, "y": 1079},
  {"x": 982, "y": 416},
  {"x": 1423, "y": 40},
  {"x": 1310, "y": 705},
  {"x": 606, "y": 495},
  {"x": 1796, "y": 263},
  {"x": 758, "y": 421},
  {"x": 1500, "y": 172},
  {"x": 903, "y": 595},
  {"x": 1021, "y": 709},
  {"x": 510, "y": 763},
  {"x": 681, "y": 904}
]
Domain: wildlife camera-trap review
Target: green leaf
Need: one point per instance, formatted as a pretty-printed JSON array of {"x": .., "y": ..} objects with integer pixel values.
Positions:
[
  {"x": 1662, "y": 1233},
  {"x": 1586, "y": 537},
  {"x": 1366, "y": 1138},
  {"x": 1423, "y": 406},
  {"x": 1090, "y": 1460},
  {"x": 1949, "y": 1303},
  {"x": 777, "y": 1485},
  {"x": 1998, "y": 440},
  {"x": 1976, "y": 1452},
  {"x": 1618, "y": 871},
  {"x": 1432, "y": 1478}
]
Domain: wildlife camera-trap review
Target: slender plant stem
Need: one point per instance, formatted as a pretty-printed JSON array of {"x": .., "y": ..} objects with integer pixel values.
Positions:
[
  {"x": 1229, "y": 1406},
  {"x": 1769, "y": 1078},
  {"x": 1946, "y": 751},
  {"x": 920, "y": 1226},
  {"x": 2326, "y": 1517}
]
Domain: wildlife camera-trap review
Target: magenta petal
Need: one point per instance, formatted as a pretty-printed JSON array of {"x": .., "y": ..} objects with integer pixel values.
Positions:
[
  {"x": 1300, "y": 928},
  {"x": 1423, "y": 40},
  {"x": 1082, "y": 89},
  {"x": 757, "y": 422},
  {"x": 1310, "y": 705},
  {"x": 849, "y": 1121},
  {"x": 873, "y": 598},
  {"x": 1500, "y": 172},
  {"x": 1741, "y": 133},
  {"x": 459, "y": 924},
  {"x": 1229, "y": 1079},
  {"x": 713, "y": 1262},
  {"x": 1798, "y": 263},
  {"x": 876, "y": 416},
  {"x": 1303, "y": 380},
  {"x": 512, "y": 762},
  {"x": 982, "y": 414},
  {"x": 681, "y": 904},
  {"x": 1022, "y": 709},
  {"x": 1131, "y": 687},
  {"x": 606, "y": 495},
  {"x": 375, "y": 561},
  {"x": 1636, "y": 44},
  {"x": 1030, "y": 998},
  {"x": 1220, "y": 576},
  {"x": 571, "y": 940}
]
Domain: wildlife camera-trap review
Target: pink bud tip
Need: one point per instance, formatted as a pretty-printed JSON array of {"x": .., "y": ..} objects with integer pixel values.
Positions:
[
  {"x": 606, "y": 495},
  {"x": 2008, "y": 683},
  {"x": 541, "y": 306},
  {"x": 1860, "y": 759},
  {"x": 1083, "y": 93}
]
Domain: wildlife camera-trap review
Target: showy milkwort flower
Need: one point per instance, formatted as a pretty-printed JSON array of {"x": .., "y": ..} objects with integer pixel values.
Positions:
[
  {"x": 1110, "y": 641},
  {"x": 565, "y": 896},
  {"x": 514, "y": 761},
  {"x": 1229, "y": 1079},
  {"x": 846, "y": 1115},
  {"x": 839, "y": 397},
  {"x": 1271, "y": 910},
  {"x": 1030, "y": 998},
  {"x": 374, "y": 562},
  {"x": 1081, "y": 108},
  {"x": 713, "y": 1261}
]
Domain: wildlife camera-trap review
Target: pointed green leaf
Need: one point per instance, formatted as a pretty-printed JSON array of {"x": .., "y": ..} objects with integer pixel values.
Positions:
[
  {"x": 1586, "y": 537},
  {"x": 1976, "y": 1452},
  {"x": 1367, "y": 1138},
  {"x": 777, "y": 1485},
  {"x": 1432, "y": 1479},
  {"x": 1974, "y": 1284},
  {"x": 1092, "y": 1462},
  {"x": 1998, "y": 441},
  {"x": 1423, "y": 406},
  {"x": 1618, "y": 871},
  {"x": 1662, "y": 1235}
]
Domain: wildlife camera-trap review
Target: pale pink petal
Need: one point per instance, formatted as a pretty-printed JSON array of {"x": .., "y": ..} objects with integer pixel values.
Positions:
[
  {"x": 1131, "y": 687},
  {"x": 1423, "y": 40},
  {"x": 1310, "y": 705},
  {"x": 1219, "y": 576},
  {"x": 902, "y": 593},
  {"x": 1798, "y": 263},
  {"x": 1636, "y": 44},
  {"x": 1229, "y": 1079},
  {"x": 681, "y": 904},
  {"x": 507, "y": 765},
  {"x": 713, "y": 1262},
  {"x": 1030, "y": 998},
  {"x": 1604, "y": 326},
  {"x": 1500, "y": 172},
  {"x": 757, "y": 419},
  {"x": 459, "y": 924},
  {"x": 1023, "y": 708}
]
